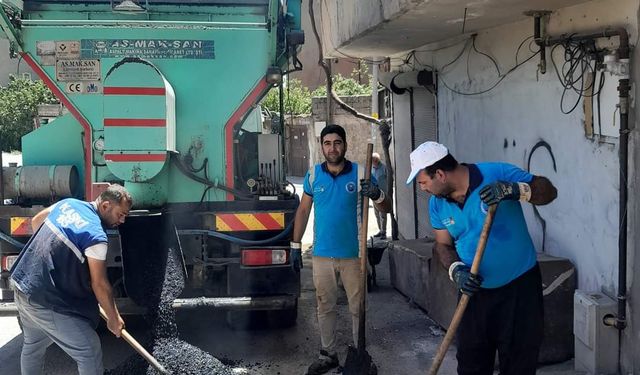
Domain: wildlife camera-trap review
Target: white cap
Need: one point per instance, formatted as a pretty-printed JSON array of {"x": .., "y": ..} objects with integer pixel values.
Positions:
[{"x": 424, "y": 156}]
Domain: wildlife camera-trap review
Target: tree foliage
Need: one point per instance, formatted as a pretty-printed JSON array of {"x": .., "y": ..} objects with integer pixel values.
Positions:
[
  {"x": 297, "y": 98},
  {"x": 18, "y": 106},
  {"x": 348, "y": 86}
]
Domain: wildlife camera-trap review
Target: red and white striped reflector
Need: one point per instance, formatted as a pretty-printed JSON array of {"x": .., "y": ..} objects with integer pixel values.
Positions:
[
  {"x": 8, "y": 261},
  {"x": 263, "y": 257}
]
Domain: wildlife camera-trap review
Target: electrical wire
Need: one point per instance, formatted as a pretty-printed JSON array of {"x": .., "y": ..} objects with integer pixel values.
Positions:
[
  {"x": 501, "y": 77},
  {"x": 580, "y": 61}
]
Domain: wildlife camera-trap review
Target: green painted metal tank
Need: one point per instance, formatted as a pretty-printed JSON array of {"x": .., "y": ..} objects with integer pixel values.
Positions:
[{"x": 158, "y": 92}]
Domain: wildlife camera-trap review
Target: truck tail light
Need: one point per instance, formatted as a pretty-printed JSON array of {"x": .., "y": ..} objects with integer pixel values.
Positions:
[
  {"x": 264, "y": 257},
  {"x": 8, "y": 261}
]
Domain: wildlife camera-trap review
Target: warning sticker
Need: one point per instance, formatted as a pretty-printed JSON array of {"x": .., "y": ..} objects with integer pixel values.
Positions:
[
  {"x": 83, "y": 87},
  {"x": 78, "y": 70},
  {"x": 67, "y": 49}
]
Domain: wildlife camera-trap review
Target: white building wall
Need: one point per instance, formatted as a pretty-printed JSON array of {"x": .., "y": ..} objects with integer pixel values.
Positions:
[{"x": 505, "y": 123}]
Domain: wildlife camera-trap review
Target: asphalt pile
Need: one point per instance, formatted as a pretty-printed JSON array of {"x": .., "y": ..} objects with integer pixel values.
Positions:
[{"x": 176, "y": 355}]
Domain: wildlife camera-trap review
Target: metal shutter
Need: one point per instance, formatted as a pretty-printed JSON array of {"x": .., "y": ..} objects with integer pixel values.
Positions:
[
  {"x": 402, "y": 141},
  {"x": 425, "y": 128}
]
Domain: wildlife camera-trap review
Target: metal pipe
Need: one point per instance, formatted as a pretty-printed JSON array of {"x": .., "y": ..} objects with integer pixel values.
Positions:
[
  {"x": 374, "y": 89},
  {"x": 537, "y": 36},
  {"x": 620, "y": 322},
  {"x": 623, "y": 155},
  {"x": 236, "y": 303}
]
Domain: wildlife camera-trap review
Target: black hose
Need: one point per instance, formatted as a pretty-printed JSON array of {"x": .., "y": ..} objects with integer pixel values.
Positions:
[
  {"x": 18, "y": 245},
  {"x": 184, "y": 169},
  {"x": 240, "y": 241}
]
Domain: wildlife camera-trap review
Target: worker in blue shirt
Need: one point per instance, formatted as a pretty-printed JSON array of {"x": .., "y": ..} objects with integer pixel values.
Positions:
[
  {"x": 333, "y": 188},
  {"x": 60, "y": 277},
  {"x": 505, "y": 313}
]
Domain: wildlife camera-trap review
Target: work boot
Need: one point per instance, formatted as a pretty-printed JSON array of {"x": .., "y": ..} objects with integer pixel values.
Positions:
[
  {"x": 324, "y": 363},
  {"x": 381, "y": 235}
]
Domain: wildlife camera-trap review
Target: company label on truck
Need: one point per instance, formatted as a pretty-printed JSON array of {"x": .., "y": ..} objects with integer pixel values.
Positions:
[
  {"x": 78, "y": 70},
  {"x": 147, "y": 48}
]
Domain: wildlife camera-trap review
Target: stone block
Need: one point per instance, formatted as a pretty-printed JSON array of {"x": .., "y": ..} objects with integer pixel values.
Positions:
[
  {"x": 409, "y": 269},
  {"x": 558, "y": 286}
]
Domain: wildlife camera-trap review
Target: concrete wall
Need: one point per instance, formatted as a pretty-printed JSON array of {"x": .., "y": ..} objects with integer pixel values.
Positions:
[
  {"x": 358, "y": 131},
  {"x": 312, "y": 74},
  {"x": 505, "y": 123}
]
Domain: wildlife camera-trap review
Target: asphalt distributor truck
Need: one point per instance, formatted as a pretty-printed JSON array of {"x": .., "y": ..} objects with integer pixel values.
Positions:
[{"x": 161, "y": 97}]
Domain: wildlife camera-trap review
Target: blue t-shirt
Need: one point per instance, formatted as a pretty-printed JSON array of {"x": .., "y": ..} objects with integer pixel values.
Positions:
[
  {"x": 52, "y": 268},
  {"x": 509, "y": 252},
  {"x": 335, "y": 200}
]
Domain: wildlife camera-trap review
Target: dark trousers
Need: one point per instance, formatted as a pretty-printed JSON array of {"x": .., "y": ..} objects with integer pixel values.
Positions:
[{"x": 508, "y": 320}]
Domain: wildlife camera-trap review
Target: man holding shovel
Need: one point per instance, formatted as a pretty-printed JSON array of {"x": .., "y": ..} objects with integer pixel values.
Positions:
[
  {"x": 505, "y": 313},
  {"x": 61, "y": 276},
  {"x": 333, "y": 187}
]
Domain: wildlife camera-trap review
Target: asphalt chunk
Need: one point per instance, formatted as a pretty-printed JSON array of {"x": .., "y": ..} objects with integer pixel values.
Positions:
[
  {"x": 180, "y": 357},
  {"x": 164, "y": 281}
]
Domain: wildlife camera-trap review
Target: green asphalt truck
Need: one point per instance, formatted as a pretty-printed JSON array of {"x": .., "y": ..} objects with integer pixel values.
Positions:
[{"x": 162, "y": 96}]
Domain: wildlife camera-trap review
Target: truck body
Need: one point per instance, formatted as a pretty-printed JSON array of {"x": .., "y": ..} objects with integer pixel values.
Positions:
[{"x": 162, "y": 97}]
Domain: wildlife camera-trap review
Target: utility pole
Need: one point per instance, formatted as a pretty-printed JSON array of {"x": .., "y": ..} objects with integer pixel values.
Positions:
[{"x": 374, "y": 96}]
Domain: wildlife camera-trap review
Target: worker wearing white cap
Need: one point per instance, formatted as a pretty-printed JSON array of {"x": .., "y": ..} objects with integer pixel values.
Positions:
[{"x": 505, "y": 313}]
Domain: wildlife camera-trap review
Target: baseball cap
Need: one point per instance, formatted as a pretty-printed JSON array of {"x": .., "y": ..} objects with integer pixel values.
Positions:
[{"x": 424, "y": 156}]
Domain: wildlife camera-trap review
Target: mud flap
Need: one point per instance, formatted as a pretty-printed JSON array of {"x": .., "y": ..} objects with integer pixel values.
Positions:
[{"x": 147, "y": 243}]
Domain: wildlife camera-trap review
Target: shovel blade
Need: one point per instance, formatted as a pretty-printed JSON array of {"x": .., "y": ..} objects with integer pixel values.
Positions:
[{"x": 359, "y": 362}]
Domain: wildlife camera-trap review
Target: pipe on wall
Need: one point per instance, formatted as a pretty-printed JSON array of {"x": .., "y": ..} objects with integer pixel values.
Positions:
[
  {"x": 620, "y": 321},
  {"x": 399, "y": 82}
]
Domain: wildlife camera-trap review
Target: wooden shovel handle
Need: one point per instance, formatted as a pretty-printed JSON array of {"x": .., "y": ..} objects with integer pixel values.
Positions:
[
  {"x": 126, "y": 336},
  {"x": 363, "y": 254},
  {"x": 464, "y": 300}
]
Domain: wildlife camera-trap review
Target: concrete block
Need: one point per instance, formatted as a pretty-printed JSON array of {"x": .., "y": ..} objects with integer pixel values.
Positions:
[
  {"x": 443, "y": 294},
  {"x": 409, "y": 268},
  {"x": 416, "y": 272},
  {"x": 558, "y": 286}
]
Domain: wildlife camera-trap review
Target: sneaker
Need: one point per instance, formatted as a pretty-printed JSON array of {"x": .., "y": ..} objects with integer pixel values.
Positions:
[
  {"x": 324, "y": 363},
  {"x": 379, "y": 234}
]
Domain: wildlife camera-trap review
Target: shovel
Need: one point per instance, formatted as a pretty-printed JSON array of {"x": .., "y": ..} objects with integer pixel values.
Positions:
[
  {"x": 126, "y": 336},
  {"x": 464, "y": 300},
  {"x": 358, "y": 361}
]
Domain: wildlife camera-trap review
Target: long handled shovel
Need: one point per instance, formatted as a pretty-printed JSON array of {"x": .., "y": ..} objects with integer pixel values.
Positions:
[
  {"x": 138, "y": 348},
  {"x": 358, "y": 361},
  {"x": 464, "y": 300}
]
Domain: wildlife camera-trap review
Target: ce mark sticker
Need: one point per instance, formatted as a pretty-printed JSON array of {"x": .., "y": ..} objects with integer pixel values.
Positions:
[
  {"x": 82, "y": 87},
  {"x": 74, "y": 87}
]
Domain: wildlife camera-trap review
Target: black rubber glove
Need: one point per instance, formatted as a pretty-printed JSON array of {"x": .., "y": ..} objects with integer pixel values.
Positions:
[
  {"x": 370, "y": 190},
  {"x": 467, "y": 283},
  {"x": 498, "y": 191},
  {"x": 296, "y": 258}
]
